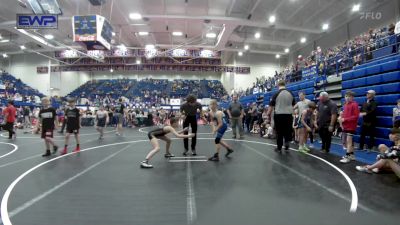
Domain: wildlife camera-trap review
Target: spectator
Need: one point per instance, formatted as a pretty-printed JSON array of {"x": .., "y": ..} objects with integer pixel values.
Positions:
[
  {"x": 302, "y": 104},
  {"x": 396, "y": 115},
  {"x": 27, "y": 119},
  {"x": 236, "y": 113},
  {"x": 349, "y": 122},
  {"x": 368, "y": 112},
  {"x": 295, "y": 125},
  {"x": 9, "y": 118},
  {"x": 326, "y": 119},
  {"x": 388, "y": 157},
  {"x": 282, "y": 104},
  {"x": 253, "y": 115}
]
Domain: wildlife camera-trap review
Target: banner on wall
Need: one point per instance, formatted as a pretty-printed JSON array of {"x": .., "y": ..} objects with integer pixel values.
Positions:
[
  {"x": 118, "y": 52},
  {"x": 309, "y": 72},
  {"x": 117, "y": 68},
  {"x": 175, "y": 101},
  {"x": 42, "y": 69}
]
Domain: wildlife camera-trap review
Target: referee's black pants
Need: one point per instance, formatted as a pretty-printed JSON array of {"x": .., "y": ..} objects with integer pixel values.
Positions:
[
  {"x": 193, "y": 124},
  {"x": 283, "y": 128},
  {"x": 10, "y": 128}
]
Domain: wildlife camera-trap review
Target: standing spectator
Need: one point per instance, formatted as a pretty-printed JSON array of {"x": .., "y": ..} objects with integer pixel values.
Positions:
[
  {"x": 368, "y": 112},
  {"x": 349, "y": 120},
  {"x": 27, "y": 119},
  {"x": 246, "y": 118},
  {"x": 9, "y": 117},
  {"x": 236, "y": 112},
  {"x": 302, "y": 104},
  {"x": 119, "y": 115},
  {"x": 396, "y": 115},
  {"x": 253, "y": 115},
  {"x": 63, "y": 122},
  {"x": 282, "y": 104},
  {"x": 326, "y": 119}
]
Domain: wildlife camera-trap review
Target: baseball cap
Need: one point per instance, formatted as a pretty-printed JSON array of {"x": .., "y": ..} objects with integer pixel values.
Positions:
[{"x": 371, "y": 92}]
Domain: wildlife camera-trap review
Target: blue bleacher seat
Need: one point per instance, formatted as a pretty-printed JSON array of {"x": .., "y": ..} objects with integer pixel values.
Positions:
[
  {"x": 392, "y": 65},
  {"x": 380, "y": 132},
  {"x": 371, "y": 80},
  {"x": 390, "y": 99},
  {"x": 379, "y": 89},
  {"x": 379, "y": 61},
  {"x": 378, "y": 141},
  {"x": 382, "y": 121},
  {"x": 385, "y": 110}
]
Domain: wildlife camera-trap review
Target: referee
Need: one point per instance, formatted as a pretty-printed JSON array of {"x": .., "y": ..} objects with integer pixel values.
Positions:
[
  {"x": 189, "y": 110},
  {"x": 282, "y": 103}
]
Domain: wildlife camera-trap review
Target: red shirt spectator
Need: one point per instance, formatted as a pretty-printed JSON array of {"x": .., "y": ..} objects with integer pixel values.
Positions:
[
  {"x": 11, "y": 111},
  {"x": 350, "y": 115}
]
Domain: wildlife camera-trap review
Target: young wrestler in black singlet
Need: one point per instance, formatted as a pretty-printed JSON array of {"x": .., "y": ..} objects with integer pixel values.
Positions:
[{"x": 160, "y": 133}]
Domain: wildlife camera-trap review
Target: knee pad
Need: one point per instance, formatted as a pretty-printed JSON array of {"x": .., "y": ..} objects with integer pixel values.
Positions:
[{"x": 217, "y": 140}]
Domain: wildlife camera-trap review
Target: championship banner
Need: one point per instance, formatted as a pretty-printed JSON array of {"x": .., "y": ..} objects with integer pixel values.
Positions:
[
  {"x": 118, "y": 52},
  {"x": 309, "y": 72},
  {"x": 174, "y": 68}
]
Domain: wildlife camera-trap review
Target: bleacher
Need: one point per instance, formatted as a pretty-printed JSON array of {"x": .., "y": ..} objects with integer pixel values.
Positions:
[
  {"x": 306, "y": 85},
  {"x": 133, "y": 88},
  {"x": 20, "y": 87},
  {"x": 382, "y": 76}
]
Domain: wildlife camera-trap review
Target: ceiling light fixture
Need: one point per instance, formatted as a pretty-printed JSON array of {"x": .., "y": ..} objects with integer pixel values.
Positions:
[
  {"x": 138, "y": 61},
  {"x": 49, "y": 36},
  {"x": 211, "y": 35},
  {"x": 246, "y": 47},
  {"x": 240, "y": 53},
  {"x": 325, "y": 26},
  {"x": 356, "y": 8},
  {"x": 4, "y": 41},
  {"x": 303, "y": 40},
  {"x": 143, "y": 33},
  {"x": 257, "y": 35},
  {"x": 113, "y": 34},
  {"x": 287, "y": 50},
  {"x": 277, "y": 56},
  {"x": 22, "y": 47},
  {"x": 135, "y": 16},
  {"x": 5, "y": 55},
  {"x": 272, "y": 19},
  {"x": 177, "y": 33},
  {"x": 111, "y": 70},
  {"x": 150, "y": 46}
]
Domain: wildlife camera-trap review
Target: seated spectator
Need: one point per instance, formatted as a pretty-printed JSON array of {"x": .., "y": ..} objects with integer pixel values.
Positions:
[
  {"x": 388, "y": 159},
  {"x": 396, "y": 115}
]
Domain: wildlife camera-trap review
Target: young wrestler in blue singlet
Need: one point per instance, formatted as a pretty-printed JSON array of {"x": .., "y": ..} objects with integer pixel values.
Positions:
[{"x": 219, "y": 127}]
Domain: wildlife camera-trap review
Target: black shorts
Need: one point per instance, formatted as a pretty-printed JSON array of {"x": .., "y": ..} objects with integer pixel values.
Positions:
[
  {"x": 72, "y": 131},
  {"x": 47, "y": 133},
  {"x": 101, "y": 122},
  {"x": 151, "y": 136}
]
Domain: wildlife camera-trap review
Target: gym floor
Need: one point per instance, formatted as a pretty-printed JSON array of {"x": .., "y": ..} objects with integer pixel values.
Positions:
[{"x": 104, "y": 184}]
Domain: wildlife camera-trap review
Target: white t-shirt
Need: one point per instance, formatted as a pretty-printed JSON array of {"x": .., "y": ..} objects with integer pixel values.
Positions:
[
  {"x": 302, "y": 105},
  {"x": 397, "y": 28}
]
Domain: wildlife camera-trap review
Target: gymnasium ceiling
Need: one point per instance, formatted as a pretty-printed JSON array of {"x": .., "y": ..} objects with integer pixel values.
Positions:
[{"x": 235, "y": 23}]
